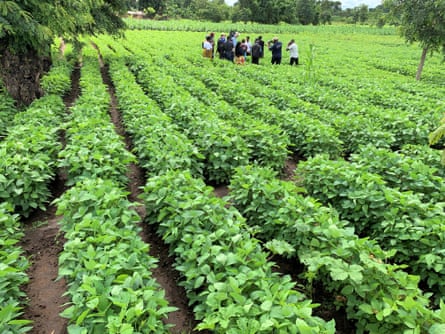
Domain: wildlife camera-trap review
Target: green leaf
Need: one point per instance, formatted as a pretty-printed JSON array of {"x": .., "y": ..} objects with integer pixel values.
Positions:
[{"x": 266, "y": 306}]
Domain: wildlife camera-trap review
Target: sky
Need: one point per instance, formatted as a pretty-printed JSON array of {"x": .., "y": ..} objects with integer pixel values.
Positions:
[{"x": 345, "y": 3}]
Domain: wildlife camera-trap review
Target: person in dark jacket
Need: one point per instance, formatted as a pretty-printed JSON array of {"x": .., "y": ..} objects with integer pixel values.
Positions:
[
  {"x": 256, "y": 52},
  {"x": 261, "y": 43},
  {"x": 229, "y": 49},
  {"x": 220, "y": 46},
  {"x": 276, "y": 47}
]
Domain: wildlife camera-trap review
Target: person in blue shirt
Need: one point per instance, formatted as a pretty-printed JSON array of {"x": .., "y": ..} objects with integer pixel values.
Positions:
[{"x": 276, "y": 47}]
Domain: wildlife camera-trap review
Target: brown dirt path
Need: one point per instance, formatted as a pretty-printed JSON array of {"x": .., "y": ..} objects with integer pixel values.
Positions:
[
  {"x": 166, "y": 276},
  {"x": 42, "y": 244}
]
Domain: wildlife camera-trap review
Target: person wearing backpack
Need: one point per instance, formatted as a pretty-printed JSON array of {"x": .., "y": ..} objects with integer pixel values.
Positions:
[{"x": 256, "y": 52}]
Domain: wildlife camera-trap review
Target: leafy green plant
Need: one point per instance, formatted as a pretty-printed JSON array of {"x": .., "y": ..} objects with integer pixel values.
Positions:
[
  {"x": 106, "y": 263},
  {"x": 13, "y": 266},
  {"x": 7, "y": 111},
  {"x": 93, "y": 147},
  {"x": 226, "y": 274},
  {"x": 379, "y": 296},
  {"x": 437, "y": 135},
  {"x": 57, "y": 81},
  {"x": 27, "y": 165},
  {"x": 221, "y": 144},
  {"x": 402, "y": 172},
  {"x": 399, "y": 221}
]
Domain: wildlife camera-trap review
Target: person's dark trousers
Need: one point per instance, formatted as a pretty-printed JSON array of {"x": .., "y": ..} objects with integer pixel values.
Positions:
[
  {"x": 293, "y": 61},
  {"x": 255, "y": 60},
  {"x": 276, "y": 61},
  {"x": 229, "y": 57}
]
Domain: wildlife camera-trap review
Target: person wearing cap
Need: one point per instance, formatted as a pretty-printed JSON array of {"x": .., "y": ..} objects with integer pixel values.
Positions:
[{"x": 275, "y": 46}]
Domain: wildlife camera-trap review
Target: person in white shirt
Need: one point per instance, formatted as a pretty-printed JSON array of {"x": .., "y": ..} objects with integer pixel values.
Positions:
[
  {"x": 292, "y": 47},
  {"x": 249, "y": 46},
  {"x": 207, "y": 48}
]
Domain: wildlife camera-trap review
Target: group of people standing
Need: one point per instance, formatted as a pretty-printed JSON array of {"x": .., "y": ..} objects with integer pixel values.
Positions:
[{"x": 231, "y": 48}]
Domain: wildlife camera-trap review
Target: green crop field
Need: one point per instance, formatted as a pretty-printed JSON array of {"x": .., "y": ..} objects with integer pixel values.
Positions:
[{"x": 326, "y": 166}]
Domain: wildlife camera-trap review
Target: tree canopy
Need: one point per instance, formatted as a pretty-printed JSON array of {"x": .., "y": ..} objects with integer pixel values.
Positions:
[
  {"x": 28, "y": 29},
  {"x": 423, "y": 22},
  {"x": 35, "y": 23}
]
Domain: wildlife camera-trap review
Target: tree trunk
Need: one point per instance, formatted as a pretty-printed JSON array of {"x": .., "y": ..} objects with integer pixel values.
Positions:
[
  {"x": 21, "y": 73},
  {"x": 421, "y": 63}
]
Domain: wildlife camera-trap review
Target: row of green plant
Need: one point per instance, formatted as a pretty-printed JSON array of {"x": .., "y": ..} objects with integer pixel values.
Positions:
[
  {"x": 7, "y": 111},
  {"x": 228, "y": 279},
  {"x": 351, "y": 130},
  {"x": 267, "y": 143},
  {"x": 157, "y": 141},
  {"x": 13, "y": 266},
  {"x": 307, "y": 136},
  {"x": 380, "y": 297},
  {"x": 203, "y": 26},
  {"x": 401, "y": 127},
  {"x": 27, "y": 168},
  {"x": 93, "y": 148},
  {"x": 427, "y": 155},
  {"x": 105, "y": 261},
  {"x": 28, "y": 155},
  {"x": 402, "y": 172},
  {"x": 357, "y": 123},
  {"x": 398, "y": 220},
  {"x": 227, "y": 276},
  {"x": 223, "y": 143},
  {"x": 29, "y": 150},
  {"x": 58, "y": 81}
]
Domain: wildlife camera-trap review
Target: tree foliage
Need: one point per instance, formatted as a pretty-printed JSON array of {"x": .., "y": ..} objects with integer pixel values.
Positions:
[
  {"x": 34, "y": 24},
  {"x": 326, "y": 9},
  {"x": 307, "y": 12},
  {"x": 269, "y": 12},
  {"x": 28, "y": 28},
  {"x": 421, "y": 21}
]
